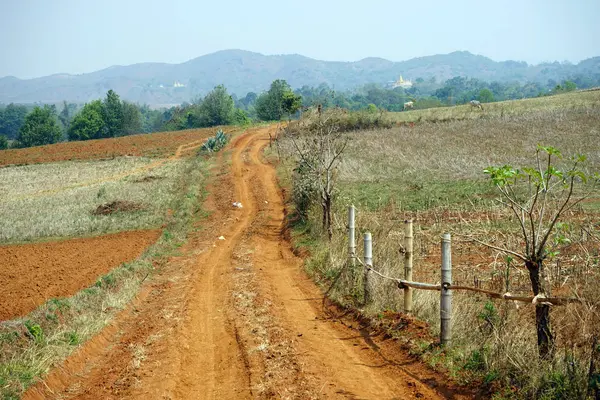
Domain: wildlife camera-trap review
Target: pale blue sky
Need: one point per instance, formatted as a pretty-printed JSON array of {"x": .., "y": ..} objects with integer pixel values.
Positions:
[{"x": 42, "y": 37}]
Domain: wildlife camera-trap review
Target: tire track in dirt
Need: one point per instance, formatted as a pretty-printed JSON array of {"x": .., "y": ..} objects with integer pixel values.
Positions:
[
  {"x": 345, "y": 363},
  {"x": 185, "y": 338}
]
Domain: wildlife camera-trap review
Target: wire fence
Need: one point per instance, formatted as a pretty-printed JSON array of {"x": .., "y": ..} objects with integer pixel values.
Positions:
[{"x": 446, "y": 287}]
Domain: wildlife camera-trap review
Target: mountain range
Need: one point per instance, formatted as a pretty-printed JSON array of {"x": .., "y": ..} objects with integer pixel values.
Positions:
[{"x": 161, "y": 84}]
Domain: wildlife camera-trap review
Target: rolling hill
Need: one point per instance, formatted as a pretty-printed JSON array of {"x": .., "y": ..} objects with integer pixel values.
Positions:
[{"x": 243, "y": 71}]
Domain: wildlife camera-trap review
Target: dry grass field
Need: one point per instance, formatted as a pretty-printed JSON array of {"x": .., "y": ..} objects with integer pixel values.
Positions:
[
  {"x": 432, "y": 172},
  {"x": 61, "y": 199}
]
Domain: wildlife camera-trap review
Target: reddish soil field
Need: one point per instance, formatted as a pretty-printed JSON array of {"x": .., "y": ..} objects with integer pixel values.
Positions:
[
  {"x": 163, "y": 144},
  {"x": 30, "y": 274}
]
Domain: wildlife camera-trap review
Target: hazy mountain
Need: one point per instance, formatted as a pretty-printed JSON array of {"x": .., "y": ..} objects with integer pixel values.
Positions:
[{"x": 244, "y": 71}]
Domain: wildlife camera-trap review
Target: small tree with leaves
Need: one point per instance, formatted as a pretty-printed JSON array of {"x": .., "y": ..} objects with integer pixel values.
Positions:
[{"x": 538, "y": 197}]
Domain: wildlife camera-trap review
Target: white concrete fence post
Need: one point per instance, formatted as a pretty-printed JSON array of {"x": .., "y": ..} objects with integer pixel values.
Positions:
[
  {"x": 408, "y": 264},
  {"x": 368, "y": 261},
  {"x": 446, "y": 293}
]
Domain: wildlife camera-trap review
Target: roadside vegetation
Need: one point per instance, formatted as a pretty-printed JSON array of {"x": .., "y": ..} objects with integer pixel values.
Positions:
[
  {"x": 432, "y": 171},
  {"x": 31, "y": 345}
]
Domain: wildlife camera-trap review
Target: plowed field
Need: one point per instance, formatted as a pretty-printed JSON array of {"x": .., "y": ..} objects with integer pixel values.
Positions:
[
  {"x": 30, "y": 274},
  {"x": 161, "y": 144}
]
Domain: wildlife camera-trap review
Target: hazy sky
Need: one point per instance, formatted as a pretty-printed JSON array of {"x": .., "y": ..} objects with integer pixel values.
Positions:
[{"x": 42, "y": 37}]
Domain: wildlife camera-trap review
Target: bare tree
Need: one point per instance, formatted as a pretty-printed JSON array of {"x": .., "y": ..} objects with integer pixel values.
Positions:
[
  {"x": 538, "y": 196},
  {"x": 319, "y": 144}
]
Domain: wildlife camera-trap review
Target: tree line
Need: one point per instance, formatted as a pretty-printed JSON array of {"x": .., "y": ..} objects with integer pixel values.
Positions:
[
  {"x": 22, "y": 126},
  {"x": 25, "y": 126}
]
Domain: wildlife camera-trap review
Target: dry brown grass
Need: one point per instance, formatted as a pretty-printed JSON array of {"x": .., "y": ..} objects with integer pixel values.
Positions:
[{"x": 433, "y": 173}]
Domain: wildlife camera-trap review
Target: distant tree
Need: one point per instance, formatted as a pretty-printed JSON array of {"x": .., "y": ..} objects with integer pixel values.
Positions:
[
  {"x": 485, "y": 96},
  {"x": 240, "y": 117},
  {"x": 419, "y": 80},
  {"x": 11, "y": 120},
  {"x": 371, "y": 108},
  {"x": 40, "y": 128},
  {"x": 291, "y": 102},
  {"x": 3, "y": 142},
  {"x": 88, "y": 123},
  {"x": 217, "y": 108},
  {"x": 277, "y": 102},
  {"x": 112, "y": 114},
  {"x": 569, "y": 86},
  {"x": 132, "y": 119}
]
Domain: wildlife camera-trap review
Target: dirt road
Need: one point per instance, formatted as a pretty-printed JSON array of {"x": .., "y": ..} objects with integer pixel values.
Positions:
[{"x": 237, "y": 318}]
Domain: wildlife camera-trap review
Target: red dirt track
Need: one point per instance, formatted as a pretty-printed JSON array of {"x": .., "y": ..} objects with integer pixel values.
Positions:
[
  {"x": 161, "y": 144},
  {"x": 30, "y": 274}
]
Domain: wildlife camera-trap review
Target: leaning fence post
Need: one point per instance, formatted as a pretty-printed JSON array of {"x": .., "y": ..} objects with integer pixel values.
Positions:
[
  {"x": 446, "y": 293},
  {"x": 408, "y": 264},
  {"x": 368, "y": 261},
  {"x": 351, "y": 237}
]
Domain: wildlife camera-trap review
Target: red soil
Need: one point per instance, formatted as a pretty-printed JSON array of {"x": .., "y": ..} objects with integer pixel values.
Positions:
[
  {"x": 161, "y": 144},
  {"x": 30, "y": 274}
]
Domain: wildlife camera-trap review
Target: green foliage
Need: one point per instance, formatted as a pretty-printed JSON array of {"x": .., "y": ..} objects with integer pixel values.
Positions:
[
  {"x": 371, "y": 108},
  {"x": 215, "y": 143},
  {"x": 110, "y": 118},
  {"x": 477, "y": 360},
  {"x": 112, "y": 115},
  {"x": 217, "y": 108},
  {"x": 106, "y": 281},
  {"x": 35, "y": 331},
  {"x": 66, "y": 115},
  {"x": 489, "y": 316},
  {"x": 570, "y": 86},
  {"x": 240, "y": 117},
  {"x": 132, "y": 119},
  {"x": 40, "y": 128},
  {"x": 3, "y": 142},
  {"x": 485, "y": 96},
  {"x": 72, "y": 338},
  {"x": 277, "y": 102},
  {"x": 88, "y": 123},
  {"x": 11, "y": 119},
  {"x": 291, "y": 102}
]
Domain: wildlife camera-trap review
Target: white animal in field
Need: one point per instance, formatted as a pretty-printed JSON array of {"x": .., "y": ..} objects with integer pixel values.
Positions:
[
  {"x": 476, "y": 104},
  {"x": 409, "y": 104}
]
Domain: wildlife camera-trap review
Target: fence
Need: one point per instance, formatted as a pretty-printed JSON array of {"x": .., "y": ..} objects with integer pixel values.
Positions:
[{"x": 446, "y": 287}]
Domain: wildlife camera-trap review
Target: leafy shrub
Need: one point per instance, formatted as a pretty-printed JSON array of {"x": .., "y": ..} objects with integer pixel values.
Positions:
[{"x": 35, "y": 331}]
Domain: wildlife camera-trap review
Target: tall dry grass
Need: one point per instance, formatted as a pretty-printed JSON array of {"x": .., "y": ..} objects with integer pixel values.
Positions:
[{"x": 433, "y": 173}]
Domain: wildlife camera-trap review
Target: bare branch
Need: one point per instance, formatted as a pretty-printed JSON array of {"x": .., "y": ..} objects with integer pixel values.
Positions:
[{"x": 491, "y": 246}]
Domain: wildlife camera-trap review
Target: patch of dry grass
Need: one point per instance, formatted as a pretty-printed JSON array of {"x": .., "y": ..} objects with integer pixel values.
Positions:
[
  {"x": 432, "y": 173},
  {"x": 504, "y": 109},
  {"x": 59, "y": 199}
]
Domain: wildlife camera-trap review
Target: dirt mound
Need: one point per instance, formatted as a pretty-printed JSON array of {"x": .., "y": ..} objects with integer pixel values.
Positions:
[
  {"x": 149, "y": 178},
  {"x": 33, "y": 273},
  {"x": 117, "y": 206}
]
